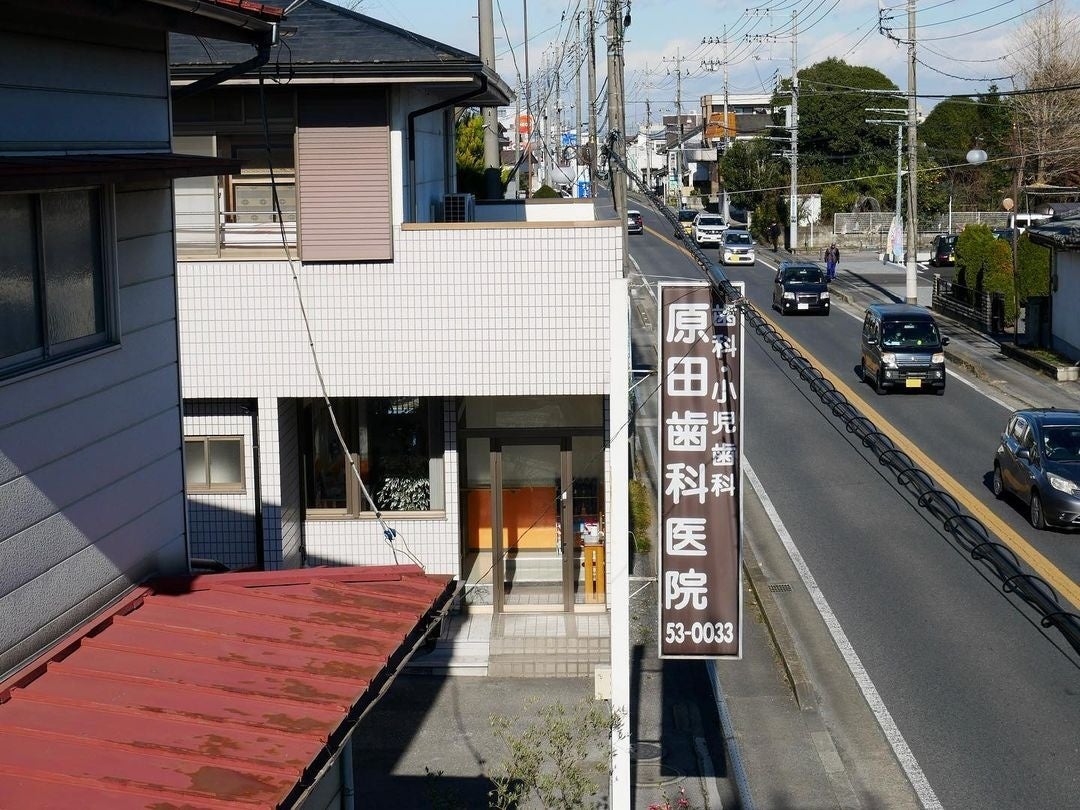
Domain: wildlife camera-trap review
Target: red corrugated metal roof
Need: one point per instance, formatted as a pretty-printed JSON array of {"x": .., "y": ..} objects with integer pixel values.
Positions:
[{"x": 224, "y": 690}]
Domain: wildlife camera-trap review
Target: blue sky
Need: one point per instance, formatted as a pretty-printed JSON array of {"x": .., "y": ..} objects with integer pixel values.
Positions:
[{"x": 970, "y": 39}]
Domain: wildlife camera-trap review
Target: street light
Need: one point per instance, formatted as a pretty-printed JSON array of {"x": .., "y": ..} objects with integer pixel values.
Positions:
[{"x": 976, "y": 156}]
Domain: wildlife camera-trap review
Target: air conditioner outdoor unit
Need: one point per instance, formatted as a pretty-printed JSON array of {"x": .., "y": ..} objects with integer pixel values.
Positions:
[{"x": 459, "y": 208}]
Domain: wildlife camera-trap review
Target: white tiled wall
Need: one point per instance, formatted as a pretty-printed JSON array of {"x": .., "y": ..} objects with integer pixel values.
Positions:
[
  {"x": 481, "y": 311},
  {"x": 221, "y": 526}
]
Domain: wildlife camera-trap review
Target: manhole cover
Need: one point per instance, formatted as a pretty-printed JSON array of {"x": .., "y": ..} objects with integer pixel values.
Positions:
[
  {"x": 645, "y": 751},
  {"x": 780, "y": 587}
]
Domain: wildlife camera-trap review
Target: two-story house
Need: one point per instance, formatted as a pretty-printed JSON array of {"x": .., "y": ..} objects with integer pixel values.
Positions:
[
  {"x": 464, "y": 349},
  {"x": 124, "y": 680}
]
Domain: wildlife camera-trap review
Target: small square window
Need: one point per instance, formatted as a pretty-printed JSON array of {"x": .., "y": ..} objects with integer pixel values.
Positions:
[{"x": 214, "y": 463}]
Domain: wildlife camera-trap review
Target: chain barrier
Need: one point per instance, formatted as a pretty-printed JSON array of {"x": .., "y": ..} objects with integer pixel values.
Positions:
[{"x": 968, "y": 531}]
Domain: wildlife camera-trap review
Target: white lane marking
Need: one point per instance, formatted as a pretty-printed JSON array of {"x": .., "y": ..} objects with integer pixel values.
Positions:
[{"x": 919, "y": 783}]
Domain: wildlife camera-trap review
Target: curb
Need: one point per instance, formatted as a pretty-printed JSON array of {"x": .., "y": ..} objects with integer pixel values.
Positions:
[{"x": 801, "y": 686}]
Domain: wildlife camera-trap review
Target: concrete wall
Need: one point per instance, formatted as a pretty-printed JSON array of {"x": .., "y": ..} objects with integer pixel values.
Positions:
[{"x": 91, "y": 472}]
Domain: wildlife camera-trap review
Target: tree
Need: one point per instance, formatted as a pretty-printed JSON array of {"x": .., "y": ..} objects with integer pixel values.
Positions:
[
  {"x": 748, "y": 168},
  {"x": 1045, "y": 54},
  {"x": 469, "y": 134}
]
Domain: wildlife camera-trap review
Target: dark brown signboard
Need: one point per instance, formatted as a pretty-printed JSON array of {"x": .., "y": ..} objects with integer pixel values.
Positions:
[{"x": 700, "y": 495}]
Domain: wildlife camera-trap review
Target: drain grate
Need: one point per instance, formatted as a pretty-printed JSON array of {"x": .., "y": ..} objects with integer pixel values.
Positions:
[{"x": 780, "y": 587}]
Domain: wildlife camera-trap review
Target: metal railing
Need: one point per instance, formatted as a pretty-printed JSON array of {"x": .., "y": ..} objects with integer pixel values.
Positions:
[{"x": 967, "y": 530}]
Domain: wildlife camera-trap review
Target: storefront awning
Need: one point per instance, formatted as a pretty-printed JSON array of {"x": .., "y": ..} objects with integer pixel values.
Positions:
[
  {"x": 224, "y": 690},
  {"x": 38, "y": 172}
]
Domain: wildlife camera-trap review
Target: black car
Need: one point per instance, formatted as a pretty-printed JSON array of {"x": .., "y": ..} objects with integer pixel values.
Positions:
[
  {"x": 902, "y": 347},
  {"x": 800, "y": 287},
  {"x": 1038, "y": 461},
  {"x": 943, "y": 251}
]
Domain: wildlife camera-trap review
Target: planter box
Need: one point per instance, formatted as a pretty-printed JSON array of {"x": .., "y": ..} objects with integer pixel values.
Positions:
[{"x": 1060, "y": 372}]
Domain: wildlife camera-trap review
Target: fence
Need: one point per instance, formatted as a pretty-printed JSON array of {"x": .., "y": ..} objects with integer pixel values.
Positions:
[
  {"x": 980, "y": 309},
  {"x": 869, "y": 230}
]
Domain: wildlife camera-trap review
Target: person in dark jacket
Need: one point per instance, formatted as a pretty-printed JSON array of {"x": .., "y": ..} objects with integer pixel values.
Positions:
[
  {"x": 774, "y": 235},
  {"x": 832, "y": 259}
]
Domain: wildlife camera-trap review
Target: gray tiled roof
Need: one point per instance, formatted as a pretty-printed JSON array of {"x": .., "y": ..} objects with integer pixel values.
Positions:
[
  {"x": 1062, "y": 233},
  {"x": 320, "y": 33}
]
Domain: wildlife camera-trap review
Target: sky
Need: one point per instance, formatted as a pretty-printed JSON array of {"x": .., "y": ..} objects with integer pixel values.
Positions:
[{"x": 970, "y": 39}]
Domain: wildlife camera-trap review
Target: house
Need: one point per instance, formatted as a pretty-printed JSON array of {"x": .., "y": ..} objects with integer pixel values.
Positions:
[
  {"x": 749, "y": 115},
  {"x": 1062, "y": 235},
  {"x": 464, "y": 347},
  {"x": 124, "y": 680}
]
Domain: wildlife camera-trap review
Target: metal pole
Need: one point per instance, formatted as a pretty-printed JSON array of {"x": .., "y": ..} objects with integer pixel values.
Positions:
[
  {"x": 793, "y": 213},
  {"x": 492, "y": 161},
  {"x": 899, "y": 187},
  {"x": 912, "y": 288},
  {"x": 678, "y": 114}
]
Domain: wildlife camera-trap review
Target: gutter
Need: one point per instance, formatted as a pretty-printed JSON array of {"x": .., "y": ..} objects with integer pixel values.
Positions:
[
  {"x": 261, "y": 57},
  {"x": 439, "y": 105},
  {"x": 233, "y": 19}
]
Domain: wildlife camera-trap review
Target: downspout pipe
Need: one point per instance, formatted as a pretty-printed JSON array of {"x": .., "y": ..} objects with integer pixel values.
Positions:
[
  {"x": 439, "y": 105},
  {"x": 261, "y": 57}
]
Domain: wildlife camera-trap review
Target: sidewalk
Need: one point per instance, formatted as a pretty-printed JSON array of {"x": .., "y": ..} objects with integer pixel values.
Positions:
[{"x": 863, "y": 278}]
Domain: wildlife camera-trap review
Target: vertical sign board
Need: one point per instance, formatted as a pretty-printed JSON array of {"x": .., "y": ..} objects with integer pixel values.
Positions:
[{"x": 700, "y": 493}]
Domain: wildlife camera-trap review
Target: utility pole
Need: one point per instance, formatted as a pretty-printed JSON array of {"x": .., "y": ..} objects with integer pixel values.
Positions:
[
  {"x": 579, "y": 102},
  {"x": 528, "y": 103},
  {"x": 546, "y": 137},
  {"x": 492, "y": 161},
  {"x": 592, "y": 97},
  {"x": 897, "y": 122},
  {"x": 678, "y": 60},
  {"x": 793, "y": 213},
  {"x": 912, "y": 291},
  {"x": 616, "y": 114},
  {"x": 648, "y": 143}
]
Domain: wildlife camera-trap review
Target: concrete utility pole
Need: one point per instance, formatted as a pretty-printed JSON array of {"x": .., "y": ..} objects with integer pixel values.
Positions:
[
  {"x": 678, "y": 60},
  {"x": 592, "y": 97},
  {"x": 793, "y": 214},
  {"x": 648, "y": 144},
  {"x": 897, "y": 122},
  {"x": 528, "y": 102},
  {"x": 492, "y": 160},
  {"x": 616, "y": 114},
  {"x": 545, "y": 136},
  {"x": 579, "y": 102},
  {"x": 912, "y": 287}
]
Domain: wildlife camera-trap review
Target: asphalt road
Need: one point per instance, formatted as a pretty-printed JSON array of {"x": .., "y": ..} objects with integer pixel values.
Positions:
[{"x": 988, "y": 701}]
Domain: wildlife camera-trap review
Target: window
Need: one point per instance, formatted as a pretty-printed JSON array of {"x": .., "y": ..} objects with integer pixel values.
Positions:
[
  {"x": 53, "y": 276},
  {"x": 214, "y": 463},
  {"x": 395, "y": 443}
]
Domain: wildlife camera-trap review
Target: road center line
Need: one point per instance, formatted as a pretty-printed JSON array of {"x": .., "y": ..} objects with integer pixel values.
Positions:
[{"x": 1009, "y": 536}]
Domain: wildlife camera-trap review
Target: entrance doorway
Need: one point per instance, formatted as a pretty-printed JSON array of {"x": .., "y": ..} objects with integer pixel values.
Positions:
[{"x": 534, "y": 521}]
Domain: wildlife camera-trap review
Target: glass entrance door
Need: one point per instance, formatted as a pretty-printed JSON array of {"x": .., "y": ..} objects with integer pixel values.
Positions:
[{"x": 534, "y": 558}]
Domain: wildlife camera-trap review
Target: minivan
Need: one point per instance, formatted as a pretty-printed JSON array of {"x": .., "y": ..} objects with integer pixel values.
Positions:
[
  {"x": 902, "y": 348},
  {"x": 736, "y": 247}
]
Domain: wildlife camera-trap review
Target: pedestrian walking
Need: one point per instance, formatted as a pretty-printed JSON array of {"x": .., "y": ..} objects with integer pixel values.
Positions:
[
  {"x": 774, "y": 235},
  {"x": 832, "y": 259}
]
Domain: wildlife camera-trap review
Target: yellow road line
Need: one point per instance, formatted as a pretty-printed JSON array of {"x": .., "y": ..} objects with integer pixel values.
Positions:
[
  {"x": 1005, "y": 533},
  {"x": 1023, "y": 549}
]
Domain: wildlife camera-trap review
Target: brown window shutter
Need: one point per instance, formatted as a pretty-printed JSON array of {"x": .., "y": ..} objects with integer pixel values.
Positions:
[{"x": 343, "y": 175}]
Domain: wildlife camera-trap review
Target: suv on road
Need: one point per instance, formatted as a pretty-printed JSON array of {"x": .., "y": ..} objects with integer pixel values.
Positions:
[
  {"x": 800, "y": 287},
  {"x": 736, "y": 247},
  {"x": 902, "y": 348},
  {"x": 708, "y": 228},
  {"x": 943, "y": 251},
  {"x": 1038, "y": 461}
]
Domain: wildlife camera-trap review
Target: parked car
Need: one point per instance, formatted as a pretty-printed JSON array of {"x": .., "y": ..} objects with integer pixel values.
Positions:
[
  {"x": 686, "y": 220},
  {"x": 943, "y": 250},
  {"x": 736, "y": 247},
  {"x": 708, "y": 228},
  {"x": 800, "y": 287},
  {"x": 634, "y": 222},
  {"x": 902, "y": 348},
  {"x": 1038, "y": 461}
]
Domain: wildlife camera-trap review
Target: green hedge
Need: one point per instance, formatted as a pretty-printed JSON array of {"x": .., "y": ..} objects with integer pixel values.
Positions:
[{"x": 986, "y": 263}]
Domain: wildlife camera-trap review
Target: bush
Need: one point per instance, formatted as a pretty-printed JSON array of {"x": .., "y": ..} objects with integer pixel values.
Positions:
[
  {"x": 1033, "y": 267},
  {"x": 545, "y": 192},
  {"x": 640, "y": 515}
]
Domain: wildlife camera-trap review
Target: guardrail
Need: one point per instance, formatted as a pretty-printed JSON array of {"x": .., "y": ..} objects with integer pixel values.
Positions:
[{"x": 967, "y": 530}]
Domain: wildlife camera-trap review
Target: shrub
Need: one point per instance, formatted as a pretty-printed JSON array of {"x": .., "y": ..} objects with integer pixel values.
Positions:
[
  {"x": 545, "y": 192},
  {"x": 1033, "y": 267},
  {"x": 640, "y": 515}
]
